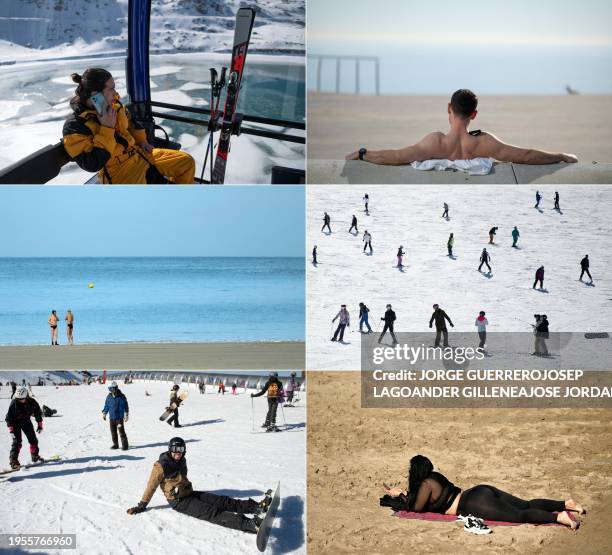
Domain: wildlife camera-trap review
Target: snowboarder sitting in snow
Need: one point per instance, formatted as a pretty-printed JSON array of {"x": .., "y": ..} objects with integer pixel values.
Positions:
[
  {"x": 169, "y": 473},
  {"x": 460, "y": 143},
  {"x": 101, "y": 137},
  {"x": 116, "y": 406},
  {"x": 21, "y": 409},
  {"x": 176, "y": 401},
  {"x": 48, "y": 411},
  {"x": 275, "y": 392}
]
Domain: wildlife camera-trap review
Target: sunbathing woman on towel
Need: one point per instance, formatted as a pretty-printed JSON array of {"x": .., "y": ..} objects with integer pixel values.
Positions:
[
  {"x": 430, "y": 491},
  {"x": 460, "y": 143}
]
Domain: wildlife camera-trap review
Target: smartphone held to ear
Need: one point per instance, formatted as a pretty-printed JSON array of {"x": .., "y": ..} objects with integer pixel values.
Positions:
[{"x": 99, "y": 103}]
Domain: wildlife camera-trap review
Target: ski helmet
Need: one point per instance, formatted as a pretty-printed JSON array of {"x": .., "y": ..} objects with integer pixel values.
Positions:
[
  {"x": 21, "y": 392},
  {"x": 274, "y": 375},
  {"x": 175, "y": 387},
  {"x": 112, "y": 386},
  {"x": 293, "y": 374},
  {"x": 177, "y": 445}
]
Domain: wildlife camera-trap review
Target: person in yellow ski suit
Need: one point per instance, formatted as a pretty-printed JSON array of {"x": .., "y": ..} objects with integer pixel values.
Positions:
[{"x": 112, "y": 144}]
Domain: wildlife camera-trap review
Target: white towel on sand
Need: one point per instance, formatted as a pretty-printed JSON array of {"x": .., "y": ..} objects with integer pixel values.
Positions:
[{"x": 475, "y": 166}]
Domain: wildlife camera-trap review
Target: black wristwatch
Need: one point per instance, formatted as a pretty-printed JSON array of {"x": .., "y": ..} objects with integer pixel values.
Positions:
[{"x": 362, "y": 152}]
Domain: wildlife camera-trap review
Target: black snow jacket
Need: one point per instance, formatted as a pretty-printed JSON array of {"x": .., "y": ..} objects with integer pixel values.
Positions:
[
  {"x": 542, "y": 329},
  {"x": 389, "y": 317},
  {"x": 584, "y": 263},
  {"x": 18, "y": 412},
  {"x": 439, "y": 316}
]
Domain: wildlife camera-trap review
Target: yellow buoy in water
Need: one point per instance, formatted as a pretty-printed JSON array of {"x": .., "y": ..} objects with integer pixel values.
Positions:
[{"x": 90, "y": 286}]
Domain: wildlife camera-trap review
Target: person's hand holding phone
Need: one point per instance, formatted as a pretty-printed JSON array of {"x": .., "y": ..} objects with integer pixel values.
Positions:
[{"x": 108, "y": 117}]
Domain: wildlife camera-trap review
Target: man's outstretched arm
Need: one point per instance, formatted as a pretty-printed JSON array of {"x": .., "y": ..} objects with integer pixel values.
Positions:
[
  {"x": 425, "y": 149},
  {"x": 492, "y": 147}
]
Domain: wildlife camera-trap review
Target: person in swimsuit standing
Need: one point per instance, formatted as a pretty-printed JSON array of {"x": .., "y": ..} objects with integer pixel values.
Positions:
[
  {"x": 69, "y": 326},
  {"x": 430, "y": 491},
  {"x": 53, "y": 320}
]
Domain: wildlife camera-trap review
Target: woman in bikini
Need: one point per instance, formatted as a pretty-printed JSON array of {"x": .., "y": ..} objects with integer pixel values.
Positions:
[
  {"x": 430, "y": 491},
  {"x": 69, "y": 326},
  {"x": 53, "y": 320}
]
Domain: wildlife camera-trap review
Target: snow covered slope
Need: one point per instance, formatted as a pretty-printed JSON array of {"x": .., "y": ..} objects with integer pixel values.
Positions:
[
  {"x": 89, "y": 490},
  {"x": 411, "y": 216},
  {"x": 31, "y": 377},
  {"x": 58, "y": 28}
]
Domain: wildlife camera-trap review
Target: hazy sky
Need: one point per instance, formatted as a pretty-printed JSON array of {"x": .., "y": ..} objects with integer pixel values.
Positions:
[
  {"x": 586, "y": 22},
  {"x": 152, "y": 221}
]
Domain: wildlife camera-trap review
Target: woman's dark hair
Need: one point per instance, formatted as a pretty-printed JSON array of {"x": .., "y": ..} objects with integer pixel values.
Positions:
[
  {"x": 94, "y": 79},
  {"x": 420, "y": 468}
]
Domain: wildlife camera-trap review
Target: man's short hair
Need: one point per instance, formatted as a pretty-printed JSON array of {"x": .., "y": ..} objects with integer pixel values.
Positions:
[{"x": 464, "y": 103}]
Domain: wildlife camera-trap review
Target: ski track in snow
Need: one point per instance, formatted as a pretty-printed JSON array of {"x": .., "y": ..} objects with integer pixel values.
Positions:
[
  {"x": 411, "y": 216},
  {"x": 89, "y": 490}
]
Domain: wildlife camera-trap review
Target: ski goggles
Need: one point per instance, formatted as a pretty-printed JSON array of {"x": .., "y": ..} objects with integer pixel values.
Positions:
[{"x": 178, "y": 449}]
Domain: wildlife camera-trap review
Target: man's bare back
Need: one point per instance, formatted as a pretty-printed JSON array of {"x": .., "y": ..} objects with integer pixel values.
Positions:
[{"x": 460, "y": 144}]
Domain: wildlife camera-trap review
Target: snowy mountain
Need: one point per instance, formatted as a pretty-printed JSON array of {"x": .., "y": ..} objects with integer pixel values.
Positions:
[{"x": 39, "y": 28}]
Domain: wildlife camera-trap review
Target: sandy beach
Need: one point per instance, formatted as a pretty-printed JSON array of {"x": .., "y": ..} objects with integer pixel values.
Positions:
[
  {"x": 580, "y": 124},
  {"x": 554, "y": 453},
  {"x": 155, "y": 356}
]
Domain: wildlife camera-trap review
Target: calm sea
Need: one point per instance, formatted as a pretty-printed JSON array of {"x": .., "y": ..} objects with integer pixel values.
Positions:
[
  {"x": 426, "y": 69},
  {"x": 153, "y": 299}
]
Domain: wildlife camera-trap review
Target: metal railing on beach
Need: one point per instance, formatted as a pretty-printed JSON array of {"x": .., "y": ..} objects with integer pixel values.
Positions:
[{"x": 318, "y": 59}]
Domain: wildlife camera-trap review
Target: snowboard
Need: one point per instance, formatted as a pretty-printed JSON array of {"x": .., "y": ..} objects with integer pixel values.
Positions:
[
  {"x": 266, "y": 524},
  {"x": 30, "y": 465},
  {"x": 182, "y": 395}
]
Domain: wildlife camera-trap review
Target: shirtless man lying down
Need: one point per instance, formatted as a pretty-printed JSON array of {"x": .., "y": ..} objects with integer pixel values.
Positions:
[{"x": 460, "y": 143}]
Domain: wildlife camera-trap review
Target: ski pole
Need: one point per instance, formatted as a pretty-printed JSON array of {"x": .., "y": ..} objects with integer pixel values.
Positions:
[
  {"x": 522, "y": 321},
  {"x": 284, "y": 419},
  {"x": 252, "y": 417},
  {"x": 216, "y": 86},
  {"x": 213, "y": 85}
]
